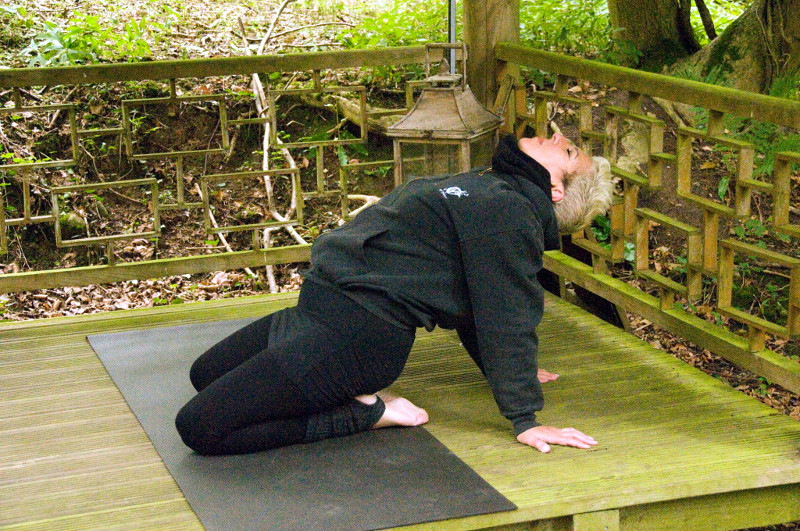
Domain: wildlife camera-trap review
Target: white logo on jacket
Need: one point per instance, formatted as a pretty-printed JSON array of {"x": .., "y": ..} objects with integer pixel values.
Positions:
[{"x": 453, "y": 190}]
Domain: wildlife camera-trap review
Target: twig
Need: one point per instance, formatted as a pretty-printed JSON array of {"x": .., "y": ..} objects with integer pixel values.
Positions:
[
  {"x": 337, "y": 127},
  {"x": 28, "y": 93},
  {"x": 778, "y": 274},
  {"x": 314, "y": 45},
  {"x": 100, "y": 178},
  {"x": 368, "y": 199},
  {"x": 232, "y": 144},
  {"x": 268, "y": 35},
  {"x": 281, "y": 34},
  {"x": 58, "y": 112}
]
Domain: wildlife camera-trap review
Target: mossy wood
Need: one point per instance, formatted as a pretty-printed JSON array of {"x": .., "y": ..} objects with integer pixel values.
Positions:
[
  {"x": 199, "y": 68},
  {"x": 677, "y": 448}
]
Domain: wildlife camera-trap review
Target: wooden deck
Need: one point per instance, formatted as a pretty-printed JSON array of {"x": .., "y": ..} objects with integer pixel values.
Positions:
[{"x": 678, "y": 449}]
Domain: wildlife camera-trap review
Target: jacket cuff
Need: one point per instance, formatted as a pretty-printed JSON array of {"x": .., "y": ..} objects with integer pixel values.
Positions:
[{"x": 525, "y": 424}]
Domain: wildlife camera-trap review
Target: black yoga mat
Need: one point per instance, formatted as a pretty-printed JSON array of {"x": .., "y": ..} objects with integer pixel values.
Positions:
[{"x": 371, "y": 480}]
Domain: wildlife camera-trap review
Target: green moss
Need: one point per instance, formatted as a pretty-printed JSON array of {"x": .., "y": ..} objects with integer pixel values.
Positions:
[{"x": 723, "y": 52}]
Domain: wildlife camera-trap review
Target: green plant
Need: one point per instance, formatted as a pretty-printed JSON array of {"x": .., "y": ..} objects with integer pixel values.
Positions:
[
  {"x": 15, "y": 21},
  {"x": 83, "y": 39},
  {"x": 767, "y": 138},
  {"x": 723, "y": 12},
  {"x": 752, "y": 228},
  {"x": 406, "y": 23},
  {"x": 601, "y": 228},
  {"x": 763, "y": 387},
  {"x": 573, "y": 26}
]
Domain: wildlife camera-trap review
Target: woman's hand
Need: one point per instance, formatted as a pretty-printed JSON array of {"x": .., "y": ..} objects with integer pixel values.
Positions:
[
  {"x": 540, "y": 436},
  {"x": 546, "y": 376}
]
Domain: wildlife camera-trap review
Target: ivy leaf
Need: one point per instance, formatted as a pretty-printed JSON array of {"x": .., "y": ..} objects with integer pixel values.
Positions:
[{"x": 342, "y": 155}]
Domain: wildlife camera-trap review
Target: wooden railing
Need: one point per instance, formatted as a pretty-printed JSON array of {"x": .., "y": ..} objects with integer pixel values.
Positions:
[
  {"x": 708, "y": 271},
  {"x": 33, "y": 180}
]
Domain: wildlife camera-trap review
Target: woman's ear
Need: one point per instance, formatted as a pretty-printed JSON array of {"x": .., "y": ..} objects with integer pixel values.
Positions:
[{"x": 556, "y": 189}]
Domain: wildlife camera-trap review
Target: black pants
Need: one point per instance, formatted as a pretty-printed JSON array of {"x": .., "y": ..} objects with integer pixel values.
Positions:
[{"x": 291, "y": 377}]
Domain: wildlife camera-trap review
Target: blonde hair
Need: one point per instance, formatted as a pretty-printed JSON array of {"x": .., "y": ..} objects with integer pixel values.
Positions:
[{"x": 586, "y": 196}]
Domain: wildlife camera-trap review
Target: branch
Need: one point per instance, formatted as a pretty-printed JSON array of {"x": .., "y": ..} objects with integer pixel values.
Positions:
[
  {"x": 268, "y": 35},
  {"x": 281, "y": 34},
  {"x": 352, "y": 111},
  {"x": 683, "y": 25},
  {"x": 705, "y": 16}
]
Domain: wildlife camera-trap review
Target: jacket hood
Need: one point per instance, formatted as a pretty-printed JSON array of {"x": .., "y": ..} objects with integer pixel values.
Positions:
[{"x": 509, "y": 159}]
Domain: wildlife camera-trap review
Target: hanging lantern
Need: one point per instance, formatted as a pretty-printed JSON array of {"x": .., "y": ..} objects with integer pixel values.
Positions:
[{"x": 447, "y": 130}]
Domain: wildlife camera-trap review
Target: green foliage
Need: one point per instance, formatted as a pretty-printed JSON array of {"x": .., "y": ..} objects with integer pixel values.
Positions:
[
  {"x": 569, "y": 26},
  {"x": 786, "y": 86},
  {"x": 767, "y": 138},
  {"x": 723, "y": 186},
  {"x": 601, "y": 228},
  {"x": 761, "y": 290},
  {"x": 406, "y": 23},
  {"x": 715, "y": 76},
  {"x": 579, "y": 27},
  {"x": 15, "y": 21},
  {"x": 752, "y": 228},
  {"x": 723, "y": 12},
  {"x": 83, "y": 39}
]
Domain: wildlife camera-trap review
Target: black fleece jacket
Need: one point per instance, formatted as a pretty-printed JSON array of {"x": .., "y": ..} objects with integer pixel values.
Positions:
[{"x": 459, "y": 251}]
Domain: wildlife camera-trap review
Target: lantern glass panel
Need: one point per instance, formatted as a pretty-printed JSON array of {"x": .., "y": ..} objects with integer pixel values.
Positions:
[{"x": 436, "y": 157}]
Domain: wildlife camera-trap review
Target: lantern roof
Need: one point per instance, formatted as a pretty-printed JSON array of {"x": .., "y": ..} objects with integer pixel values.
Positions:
[{"x": 446, "y": 113}]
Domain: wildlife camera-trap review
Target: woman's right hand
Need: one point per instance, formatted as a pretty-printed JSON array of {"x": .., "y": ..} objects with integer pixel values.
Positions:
[{"x": 541, "y": 437}]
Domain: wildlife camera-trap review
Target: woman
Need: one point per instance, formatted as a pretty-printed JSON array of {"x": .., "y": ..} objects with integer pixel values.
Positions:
[{"x": 460, "y": 252}]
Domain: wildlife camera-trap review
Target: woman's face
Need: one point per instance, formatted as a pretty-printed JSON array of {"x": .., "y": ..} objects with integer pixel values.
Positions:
[{"x": 559, "y": 156}]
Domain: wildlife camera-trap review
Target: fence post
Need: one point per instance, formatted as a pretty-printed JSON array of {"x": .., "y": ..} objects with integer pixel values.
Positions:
[{"x": 487, "y": 22}]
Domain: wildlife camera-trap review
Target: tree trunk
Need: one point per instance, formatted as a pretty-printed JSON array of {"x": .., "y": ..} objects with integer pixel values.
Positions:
[
  {"x": 759, "y": 46},
  {"x": 658, "y": 28}
]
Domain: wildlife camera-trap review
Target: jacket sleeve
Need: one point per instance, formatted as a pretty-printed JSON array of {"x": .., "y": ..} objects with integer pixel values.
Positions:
[
  {"x": 507, "y": 302},
  {"x": 469, "y": 339}
]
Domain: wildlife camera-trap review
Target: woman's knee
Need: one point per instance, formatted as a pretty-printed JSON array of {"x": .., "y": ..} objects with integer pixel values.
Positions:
[
  {"x": 196, "y": 434},
  {"x": 199, "y": 373}
]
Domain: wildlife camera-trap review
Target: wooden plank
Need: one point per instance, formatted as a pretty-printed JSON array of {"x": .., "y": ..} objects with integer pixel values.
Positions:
[
  {"x": 485, "y": 23},
  {"x": 103, "y": 322},
  {"x": 597, "y": 521},
  {"x": 736, "y": 510},
  {"x": 216, "y": 66},
  {"x": 645, "y": 433},
  {"x": 174, "y": 514}
]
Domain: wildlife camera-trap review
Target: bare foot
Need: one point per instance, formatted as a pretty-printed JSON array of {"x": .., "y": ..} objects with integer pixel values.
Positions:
[
  {"x": 546, "y": 376},
  {"x": 399, "y": 411}
]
